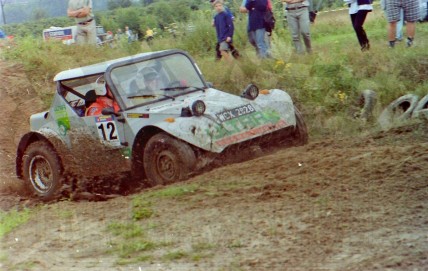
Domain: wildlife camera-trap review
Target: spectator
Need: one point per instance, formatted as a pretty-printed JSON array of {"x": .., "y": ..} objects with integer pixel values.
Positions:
[
  {"x": 235, "y": 52},
  {"x": 400, "y": 22},
  {"x": 119, "y": 34},
  {"x": 256, "y": 29},
  {"x": 298, "y": 23},
  {"x": 81, "y": 11},
  {"x": 268, "y": 35},
  {"x": 358, "y": 10},
  {"x": 149, "y": 35},
  {"x": 224, "y": 29},
  {"x": 411, "y": 15},
  {"x": 128, "y": 34}
]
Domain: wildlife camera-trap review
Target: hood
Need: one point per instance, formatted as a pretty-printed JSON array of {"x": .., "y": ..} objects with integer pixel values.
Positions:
[{"x": 228, "y": 119}]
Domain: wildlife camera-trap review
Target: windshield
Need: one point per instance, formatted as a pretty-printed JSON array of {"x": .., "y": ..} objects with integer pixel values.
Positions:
[{"x": 155, "y": 79}]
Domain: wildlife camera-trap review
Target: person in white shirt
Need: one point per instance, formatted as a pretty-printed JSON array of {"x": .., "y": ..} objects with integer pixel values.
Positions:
[{"x": 358, "y": 10}]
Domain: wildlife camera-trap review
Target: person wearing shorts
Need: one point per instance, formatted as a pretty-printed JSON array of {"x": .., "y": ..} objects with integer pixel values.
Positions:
[
  {"x": 411, "y": 16},
  {"x": 224, "y": 28}
]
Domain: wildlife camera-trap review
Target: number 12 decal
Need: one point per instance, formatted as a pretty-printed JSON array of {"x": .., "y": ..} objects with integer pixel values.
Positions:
[{"x": 107, "y": 130}]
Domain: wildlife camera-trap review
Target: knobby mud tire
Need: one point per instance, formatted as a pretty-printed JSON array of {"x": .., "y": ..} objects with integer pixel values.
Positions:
[
  {"x": 167, "y": 160},
  {"x": 42, "y": 171},
  {"x": 398, "y": 111},
  {"x": 421, "y": 109},
  {"x": 367, "y": 100}
]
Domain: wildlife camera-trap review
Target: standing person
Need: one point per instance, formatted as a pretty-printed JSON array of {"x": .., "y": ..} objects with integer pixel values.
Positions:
[
  {"x": 235, "y": 52},
  {"x": 256, "y": 29},
  {"x": 268, "y": 35},
  {"x": 128, "y": 34},
  {"x": 298, "y": 23},
  {"x": 119, "y": 34},
  {"x": 81, "y": 11},
  {"x": 411, "y": 16},
  {"x": 149, "y": 35},
  {"x": 400, "y": 22},
  {"x": 358, "y": 10},
  {"x": 224, "y": 28}
]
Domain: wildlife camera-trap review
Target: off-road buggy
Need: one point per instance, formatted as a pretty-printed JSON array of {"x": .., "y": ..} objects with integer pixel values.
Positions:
[{"x": 159, "y": 135}]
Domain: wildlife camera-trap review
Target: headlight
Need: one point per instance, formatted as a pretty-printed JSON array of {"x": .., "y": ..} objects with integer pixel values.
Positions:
[
  {"x": 198, "y": 108},
  {"x": 251, "y": 92}
]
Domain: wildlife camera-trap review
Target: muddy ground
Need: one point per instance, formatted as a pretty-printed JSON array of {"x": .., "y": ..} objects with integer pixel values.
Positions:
[{"x": 339, "y": 203}]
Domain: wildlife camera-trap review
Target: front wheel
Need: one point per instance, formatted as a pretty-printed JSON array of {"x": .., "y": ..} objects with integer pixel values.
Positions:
[
  {"x": 167, "y": 160},
  {"x": 42, "y": 170}
]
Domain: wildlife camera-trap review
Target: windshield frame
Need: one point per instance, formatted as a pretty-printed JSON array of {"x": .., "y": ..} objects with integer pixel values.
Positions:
[{"x": 119, "y": 91}]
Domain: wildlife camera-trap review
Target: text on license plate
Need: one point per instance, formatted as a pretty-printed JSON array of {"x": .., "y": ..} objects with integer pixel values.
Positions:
[{"x": 235, "y": 112}]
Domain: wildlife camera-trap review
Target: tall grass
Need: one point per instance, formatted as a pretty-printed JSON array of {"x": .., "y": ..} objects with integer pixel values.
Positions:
[{"x": 328, "y": 81}]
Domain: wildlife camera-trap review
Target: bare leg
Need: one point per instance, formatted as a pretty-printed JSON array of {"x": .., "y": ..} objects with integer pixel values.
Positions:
[
  {"x": 411, "y": 29},
  {"x": 392, "y": 29}
]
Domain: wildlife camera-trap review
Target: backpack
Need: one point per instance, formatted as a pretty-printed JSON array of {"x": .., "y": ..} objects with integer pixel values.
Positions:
[{"x": 269, "y": 21}]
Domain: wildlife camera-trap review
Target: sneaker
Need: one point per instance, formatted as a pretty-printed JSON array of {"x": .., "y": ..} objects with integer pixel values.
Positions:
[
  {"x": 391, "y": 44},
  {"x": 409, "y": 42}
]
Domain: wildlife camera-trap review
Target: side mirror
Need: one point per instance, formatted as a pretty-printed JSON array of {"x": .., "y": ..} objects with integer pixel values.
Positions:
[
  {"x": 109, "y": 111},
  {"x": 210, "y": 84}
]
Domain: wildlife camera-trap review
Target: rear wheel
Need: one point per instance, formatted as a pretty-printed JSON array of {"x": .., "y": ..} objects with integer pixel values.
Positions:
[
  {"x": 167, "y": 160},
  {"x": 42, "y": 170},
  {"x": 300, "y": 130}
]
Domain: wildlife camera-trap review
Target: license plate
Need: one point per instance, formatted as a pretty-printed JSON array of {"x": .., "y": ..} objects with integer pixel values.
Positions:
[{"x": 235, "y": 112}]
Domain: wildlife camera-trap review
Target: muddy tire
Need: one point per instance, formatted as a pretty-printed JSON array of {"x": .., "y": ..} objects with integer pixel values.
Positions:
[
  {"x": 398, "y": 111},
  {"x": 367, "y": 100},
  {"x": 300, "y": 130},
  {"x": 167, "y": 160},
  {"x": 42, "y": 170},
  {"x": 421, "y": 109}
]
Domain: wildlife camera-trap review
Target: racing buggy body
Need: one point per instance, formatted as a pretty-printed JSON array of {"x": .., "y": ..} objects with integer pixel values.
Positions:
[{"x": 161, "y": 133}]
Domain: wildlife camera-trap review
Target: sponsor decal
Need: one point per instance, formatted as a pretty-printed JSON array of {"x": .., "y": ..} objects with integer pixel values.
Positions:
[
  {"x": 103, "y": 118},
  {"x": 61, "y": 34},
  {"x": 61, "y": 116},
  {"x": 137, "y": 116}
]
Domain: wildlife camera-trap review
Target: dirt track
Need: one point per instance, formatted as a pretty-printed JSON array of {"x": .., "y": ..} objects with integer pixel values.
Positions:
[{"x": 352, "y": 203}]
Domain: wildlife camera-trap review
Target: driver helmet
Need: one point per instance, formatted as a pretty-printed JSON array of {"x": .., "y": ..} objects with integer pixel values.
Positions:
[
  {"x": 151, "y": 79},
  {"x": 149, "y": 74}
]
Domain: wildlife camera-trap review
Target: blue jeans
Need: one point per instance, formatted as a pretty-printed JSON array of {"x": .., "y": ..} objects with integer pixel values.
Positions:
[
  {"x": 400, "y": 23},
  {"x": 257, "y": 38}
]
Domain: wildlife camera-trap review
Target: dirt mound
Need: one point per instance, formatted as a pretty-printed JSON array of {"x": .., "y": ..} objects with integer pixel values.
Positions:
[{"x": 339, "y": 203}]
